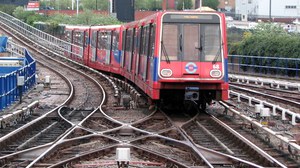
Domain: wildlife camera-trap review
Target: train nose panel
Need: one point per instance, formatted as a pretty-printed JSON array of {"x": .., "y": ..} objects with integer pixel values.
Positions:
[{"x": 190, "y": 69}]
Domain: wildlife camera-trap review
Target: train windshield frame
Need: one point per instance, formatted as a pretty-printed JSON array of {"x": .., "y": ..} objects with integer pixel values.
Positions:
[{"x": 191, "y": 38}]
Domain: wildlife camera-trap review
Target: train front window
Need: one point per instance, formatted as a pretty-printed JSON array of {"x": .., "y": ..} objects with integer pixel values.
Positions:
[
  {"x": 191, "y": 42},
  {"x": 169, "y": 43},
  {"x": 211, "y": 40}
]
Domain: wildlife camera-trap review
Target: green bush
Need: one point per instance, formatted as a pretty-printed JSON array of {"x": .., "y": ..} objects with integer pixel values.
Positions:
[{"x": 266, "y": 40}]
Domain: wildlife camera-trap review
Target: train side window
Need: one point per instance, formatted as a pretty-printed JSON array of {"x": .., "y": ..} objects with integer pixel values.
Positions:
[
  {"x": 103, "y": 40},
  {"x": 99, "y": 40},
  {"x": 115, "y": 40},
  {"x": 94, "y": 45},
  {"x": 123, "y": 40},
  {"x": 86, "y": 39},
  {"x": 140, "y": 40},
  {"x": 152, "y": 40},
  {"x": 132, "y": 44},
  {"x": 141, "y": 47},
  {"x": 75, "y": 37},
  {"x": 138, "y": 49},
  {"x": 108, "y": 40},
  {"x": 94, "y": 39},
  {"x": 68, "y": 36},
  {"x": 169, "y": 43},
  {"x": 81, "y": 38},
  {"x": 128, "y": 40},
  {"x": 145, "y": 42},
  {"x": 123, "y": 47},
  {"x": 128, "y": 48},
  {"x": 146, "y": 51}
]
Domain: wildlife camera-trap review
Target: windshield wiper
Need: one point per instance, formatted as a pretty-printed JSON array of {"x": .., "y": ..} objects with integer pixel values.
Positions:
[
  {"x": 217, "y": 55},
  {"x": 180, "y": 42},
  {"x": 165, "y": 52}
]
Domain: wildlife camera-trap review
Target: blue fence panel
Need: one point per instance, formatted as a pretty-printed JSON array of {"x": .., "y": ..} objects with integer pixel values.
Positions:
[
  {"x": 264, "y": 66},
  {"x": 3, "y": 41},
  {"x": 9, "y": 91}
]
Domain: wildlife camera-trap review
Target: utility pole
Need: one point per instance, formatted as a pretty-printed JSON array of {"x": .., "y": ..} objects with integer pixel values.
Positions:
[
  {"x": 96, "y": 5},
  {"x": 72, "y": 4},
  {"x": 164, "y": 5},
  {"x": 270, "y": 11},
  {"x": 198, "y": 4},
  {"x": 77, "y": 7},
  {"x": 111, "y": 6}
]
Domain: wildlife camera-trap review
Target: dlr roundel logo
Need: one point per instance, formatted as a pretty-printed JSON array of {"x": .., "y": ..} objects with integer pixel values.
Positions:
[{"x": 191, "y": 67}]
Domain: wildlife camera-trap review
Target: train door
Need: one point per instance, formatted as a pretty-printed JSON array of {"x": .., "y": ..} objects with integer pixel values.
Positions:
[
  {"x": 115, "y": 58},
  {"x": 200, "y": 46},
  {"x": 135, "y": 51},
  {"x": 138, "y": 50},
  {"x": 86, "y": 44},
  {"x": 94, "y": 45},
  {"x": 102, "y": 45},
  {"x": 131, "y": 49},
  {"x": 151, "y": 59},
  {"x": 127, "y": 57},
  {"x": 191, "y": 47},
  {"x": 143, "y": 53},
  {"x": 123, "y": 48}
]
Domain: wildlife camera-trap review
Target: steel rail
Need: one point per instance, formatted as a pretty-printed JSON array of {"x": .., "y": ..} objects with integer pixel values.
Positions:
[
  {"x": 290, "y": 142},
  {"x": 253, "y": 146}
]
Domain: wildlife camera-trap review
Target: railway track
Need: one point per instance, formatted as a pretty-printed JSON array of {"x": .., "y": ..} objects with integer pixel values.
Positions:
[
  {"x": 283, "y": 97},
  {"x": 233, "y": 138},
  {"x": 89, "y": 94},
  {"x": 94, "y": 135}
]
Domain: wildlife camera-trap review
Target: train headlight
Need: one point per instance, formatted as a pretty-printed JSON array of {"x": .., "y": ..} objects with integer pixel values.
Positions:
[
  {"x": 215, "y": 73},
  {"x": 166, "y": 72}
]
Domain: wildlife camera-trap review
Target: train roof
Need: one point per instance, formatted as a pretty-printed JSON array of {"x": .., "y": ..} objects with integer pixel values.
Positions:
[
  {"x": 152, "y": 17},
  {"x": 105, "y": 27},
  {"x": 77, "y": 27}
]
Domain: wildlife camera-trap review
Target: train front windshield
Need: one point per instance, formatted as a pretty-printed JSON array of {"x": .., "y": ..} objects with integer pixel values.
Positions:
[{"x": 191, "y": 38}]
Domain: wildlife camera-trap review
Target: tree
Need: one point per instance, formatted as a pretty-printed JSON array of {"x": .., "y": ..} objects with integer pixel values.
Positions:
[
  {"x": 21, "y": 14},
  {"x": 63, "y": 4},
  {"x": 27, "y": 16},
  {"x": 184, "y": 4},
  {"x": 211, "y": 3},
  {"x": 9, "y": 9},
  {"x": 85, "y": 18},
  {"x": 148, "y": 5},
  {"x": 95, "y": 4}
]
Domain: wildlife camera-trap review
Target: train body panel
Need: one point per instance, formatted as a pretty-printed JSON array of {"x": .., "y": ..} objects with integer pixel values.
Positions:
[
  {"x": 166, "y": 55},
  {"x": 80, "y": 36},
  {"x": 104, "y": 48}
]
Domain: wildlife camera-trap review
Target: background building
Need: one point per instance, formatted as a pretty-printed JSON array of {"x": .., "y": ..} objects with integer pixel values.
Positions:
[
  {"x": 226, "y": 6},
  {"x": 267, "y": 9},
  {"x": 14, "y": 2}
]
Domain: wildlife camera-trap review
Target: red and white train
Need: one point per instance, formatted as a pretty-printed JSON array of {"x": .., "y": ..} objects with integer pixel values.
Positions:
[{"x": 171, "y": 56}]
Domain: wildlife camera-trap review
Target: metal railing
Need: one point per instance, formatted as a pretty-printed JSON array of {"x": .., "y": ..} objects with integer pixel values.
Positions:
[
  {"x": 9, "y": 91},
  {"x": 39, "y": 36},
  {"x": 264, "y": 66}
]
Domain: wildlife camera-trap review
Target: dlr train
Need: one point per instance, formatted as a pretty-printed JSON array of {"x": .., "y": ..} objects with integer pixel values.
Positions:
[{"x": 171, "y": 56}]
